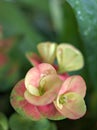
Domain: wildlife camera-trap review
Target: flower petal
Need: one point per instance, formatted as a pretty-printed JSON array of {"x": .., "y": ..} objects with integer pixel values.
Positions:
[
  {"x": 63, "y": 76},
  {"x": 73, "y": 106},
  {"x": 52, "y": 85},
  {"x": 49, "y": 111},
  {"x": 21, "y": 105},
  {"x": 74, "y": 84},
  {"x": 47, "y": 51},
  {"x": 33, "y": 58},
  {"x": 69, "y": 58}
]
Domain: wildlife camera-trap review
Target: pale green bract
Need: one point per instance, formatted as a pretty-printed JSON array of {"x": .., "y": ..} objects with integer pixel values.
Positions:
[
  {"x": 47, "y": 51},
  {"x": 69, "y": 58}
]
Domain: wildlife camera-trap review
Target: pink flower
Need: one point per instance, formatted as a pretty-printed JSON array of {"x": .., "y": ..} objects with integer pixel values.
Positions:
[
  {"x": 42, "y": 84},
  {"x": 70, "y": 99}
]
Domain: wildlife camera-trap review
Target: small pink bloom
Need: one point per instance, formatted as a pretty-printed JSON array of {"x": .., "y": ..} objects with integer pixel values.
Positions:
[
  {"x": 69, "y": 101},
  {"x": 42, "y": 84}
]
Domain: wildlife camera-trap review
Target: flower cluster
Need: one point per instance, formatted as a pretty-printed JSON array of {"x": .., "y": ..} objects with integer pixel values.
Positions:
[{"x": 48, "y": 91}]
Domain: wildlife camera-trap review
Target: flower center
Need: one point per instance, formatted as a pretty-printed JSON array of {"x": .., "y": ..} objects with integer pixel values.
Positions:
[
  {"x": 41, "y": 86},
  {"x": 61, "y": 100},
  {"x": 37, "y": 91}
]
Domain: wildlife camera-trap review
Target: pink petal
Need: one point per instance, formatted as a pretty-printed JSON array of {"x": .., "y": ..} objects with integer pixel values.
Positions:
[
  {"x": 34, "y": 58},
  {"x": 52, "y": 87},
  {"x": 21, "y": 105},
  {"x": 74, "y": 84},
  {"x": 49, "y": 111},
  {"x": 63, "y": 76}
]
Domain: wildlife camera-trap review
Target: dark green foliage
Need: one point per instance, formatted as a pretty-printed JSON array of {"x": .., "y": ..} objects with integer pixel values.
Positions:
[
  {"x": 3, "y": 122},
  {"x": 17, "y": 122}
]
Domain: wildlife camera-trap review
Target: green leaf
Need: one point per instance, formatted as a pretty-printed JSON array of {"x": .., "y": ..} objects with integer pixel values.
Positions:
[
  {"x": 17, "y": 122},
  {"x": 65, "y": 22},
  {"x": 57, "y": 14},
  {"x": 85, "y": 12},
  {"x": 3, "y": 122},
  {"x": 53, "y": 127}
]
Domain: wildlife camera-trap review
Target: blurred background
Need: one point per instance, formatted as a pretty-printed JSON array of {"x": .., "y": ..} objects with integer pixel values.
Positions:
[{"x": 25, "y": 23}]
